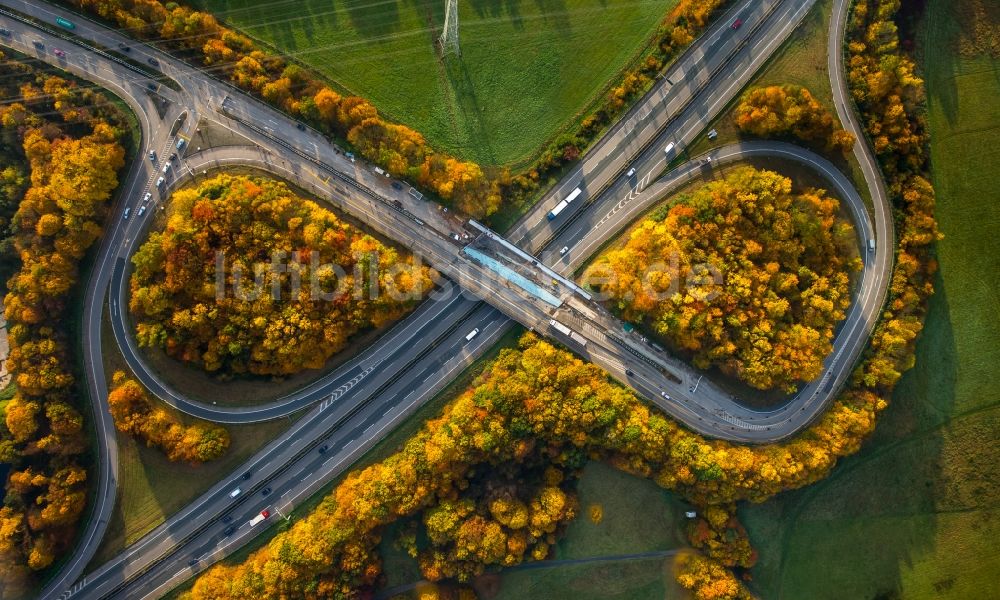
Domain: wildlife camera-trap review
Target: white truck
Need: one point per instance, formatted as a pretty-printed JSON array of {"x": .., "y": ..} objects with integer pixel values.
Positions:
[
  {"x": 260, "y": 517},
  {"x": 560, "y": 327}
]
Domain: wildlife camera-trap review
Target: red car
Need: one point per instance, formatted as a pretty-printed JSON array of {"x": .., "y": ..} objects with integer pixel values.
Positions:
[
  {"x": 58, "y": 53},
  {"x": 736, "y": 24}
]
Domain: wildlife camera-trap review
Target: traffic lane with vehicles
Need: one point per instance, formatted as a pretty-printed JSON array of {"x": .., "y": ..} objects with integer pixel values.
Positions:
[
  {"x": 735, "y": 55},
  {"x": 265, "y": 126},
  {"x": 595, "y": 230},
  {"x": 439, "y": 253},
  {"x": 204, "y": 532}
]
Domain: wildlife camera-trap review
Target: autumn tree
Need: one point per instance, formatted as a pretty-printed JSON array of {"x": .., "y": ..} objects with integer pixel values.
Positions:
[
  {"x": 293, "y": 285},
  {"x": 783, "y": 110},
  {"x": 742, "y": 273},
  {"x": 137, "y": 415},
  {"x": 58, "y": 168}
]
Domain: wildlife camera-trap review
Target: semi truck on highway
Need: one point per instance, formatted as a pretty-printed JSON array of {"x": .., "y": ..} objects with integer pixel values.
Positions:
[
  {"x": 566, "y": 331},
  {"x": 260, "y": 517},
  {"x": 65, "y": 24},
  {"x": 564, "y": 203},
  {"x": 560, "y": 327}
]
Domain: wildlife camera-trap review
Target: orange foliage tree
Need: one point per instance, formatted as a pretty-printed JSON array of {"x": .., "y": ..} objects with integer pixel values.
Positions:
[
  {"x": 65, "y": 138},
  {"x": 246, "y": 314},
  {"x": 781, "y": 110},
  {"x": 137, "y": 415},
  {"x": 783, "y": 260}
]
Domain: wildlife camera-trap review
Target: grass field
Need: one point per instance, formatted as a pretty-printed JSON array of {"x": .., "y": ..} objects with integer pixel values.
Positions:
[
  {"x": 639, "y": 517},
  {"x": 527, "y": 69},
  {"x": 916, "y": 514}
]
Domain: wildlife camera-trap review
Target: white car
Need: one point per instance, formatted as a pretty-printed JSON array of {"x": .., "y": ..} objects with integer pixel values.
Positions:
[
  {"x": 142, "y": 209},
  {"x": 160, "y": 181},
  {"x": 563, "y": 250},
  {"x": 631, "y": 173},
  {"x": 147, "y": 197},
  {"x": 127, "y": 209}
]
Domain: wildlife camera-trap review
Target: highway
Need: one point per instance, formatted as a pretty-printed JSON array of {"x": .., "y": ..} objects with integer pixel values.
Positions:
[{"x": 360, "y": 394}]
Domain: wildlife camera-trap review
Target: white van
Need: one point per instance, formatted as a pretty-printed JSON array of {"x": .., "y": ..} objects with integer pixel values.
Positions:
[
  {"x": 379, "y": 170},
  {"x": 668, "y": 149},
  {"x": 871, "y": 245},
  {"x": 235, "y": 493},
  {"x": 472, "y": 334}
]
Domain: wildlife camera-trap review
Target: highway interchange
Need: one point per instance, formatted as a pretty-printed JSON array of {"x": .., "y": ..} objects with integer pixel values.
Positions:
[{"x": 350, "y": 409}]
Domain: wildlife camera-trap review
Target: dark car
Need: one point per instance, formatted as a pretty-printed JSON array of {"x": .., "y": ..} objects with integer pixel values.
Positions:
[
  {"x": 323, "y": 449},
  {"x": 4, "y": 32},
  {"x": 153, "y": 62},
  {"x": 265, "y": 491},
  {"x": 229, "y": 530},
  {"x": 124, "y": 48},
  {"x": 247, "y": 475},
  {"x": 629, "y": 372},
  {"x": 227, "y": 518},
  {"x": 151, "y": 86},
  {"x": 300, "y": 126},
  {"x": 173, "y": 156},
  {"x": 736, "y": 24},
  {"x": 192, "y": 562},
  {"x": 397, "y": 186}
]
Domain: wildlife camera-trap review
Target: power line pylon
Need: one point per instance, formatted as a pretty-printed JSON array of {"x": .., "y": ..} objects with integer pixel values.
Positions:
[{"x": 449, "y": 37}]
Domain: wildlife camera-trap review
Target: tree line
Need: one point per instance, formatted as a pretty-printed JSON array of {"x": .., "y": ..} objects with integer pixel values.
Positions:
[
  {"x": 248, "y": 313},
  {"x": 138, "y": 415},
  {"x": 62, "y": 152},
  {"x": 490, "y": 479},
  {"x": 782, "y": 261},
  {"x": 475, "y": 190},
  {"x": 790, "y": 110}
]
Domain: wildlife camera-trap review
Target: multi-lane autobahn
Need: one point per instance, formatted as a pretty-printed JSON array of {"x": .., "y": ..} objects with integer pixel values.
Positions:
[{"x": 353, "y": 407}]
